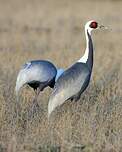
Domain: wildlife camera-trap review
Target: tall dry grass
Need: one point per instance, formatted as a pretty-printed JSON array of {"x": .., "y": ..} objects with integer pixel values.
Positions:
[{"x": 53, "y": 30}]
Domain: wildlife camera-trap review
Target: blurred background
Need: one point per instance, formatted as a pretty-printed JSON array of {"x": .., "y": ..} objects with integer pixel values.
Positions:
[{"x": 54, "y": 30}]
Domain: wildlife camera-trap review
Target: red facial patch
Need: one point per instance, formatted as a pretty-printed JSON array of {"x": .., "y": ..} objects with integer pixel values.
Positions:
[{"x": 94, "y": 25}]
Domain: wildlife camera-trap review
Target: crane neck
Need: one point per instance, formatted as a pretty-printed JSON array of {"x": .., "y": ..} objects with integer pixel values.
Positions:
[{"x": 88, "y": 55}]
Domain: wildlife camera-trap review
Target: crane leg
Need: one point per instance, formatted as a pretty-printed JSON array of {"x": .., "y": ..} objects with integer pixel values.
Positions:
[
  {"x": 35, "y": 106},
  {"x": 35, "y": 100},
  {"x": 37, "y": 91}
]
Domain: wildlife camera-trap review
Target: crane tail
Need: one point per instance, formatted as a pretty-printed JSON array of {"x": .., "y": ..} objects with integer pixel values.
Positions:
[
  {"x": 17, "y": 90},
  {"x": 19, "y": 83},
  {"x": 51, "y": 108},
  {"x": 54, "y": 102}
]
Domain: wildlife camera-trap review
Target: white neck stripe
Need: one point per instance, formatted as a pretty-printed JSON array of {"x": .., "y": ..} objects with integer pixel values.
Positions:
[{"x": 84, "y": 58}]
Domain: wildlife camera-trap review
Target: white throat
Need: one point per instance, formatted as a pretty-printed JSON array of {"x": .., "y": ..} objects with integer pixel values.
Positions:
[{"x": 84, "y": 58}]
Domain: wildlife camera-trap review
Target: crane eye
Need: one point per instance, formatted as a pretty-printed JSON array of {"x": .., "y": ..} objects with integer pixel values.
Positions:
[{"x": 93, "y": 25}]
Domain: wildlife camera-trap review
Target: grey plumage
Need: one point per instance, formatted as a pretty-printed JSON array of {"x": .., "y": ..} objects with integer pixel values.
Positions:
[
  {"x": 70, "y": 85},
  {"x": 38, "y": 74}
]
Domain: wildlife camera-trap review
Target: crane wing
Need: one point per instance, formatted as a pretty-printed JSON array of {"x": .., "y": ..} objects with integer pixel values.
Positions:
[{"x": 71, "y": 83}]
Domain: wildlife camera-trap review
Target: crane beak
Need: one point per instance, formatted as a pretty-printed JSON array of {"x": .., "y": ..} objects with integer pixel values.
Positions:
[{"x": 103, "y": 27}]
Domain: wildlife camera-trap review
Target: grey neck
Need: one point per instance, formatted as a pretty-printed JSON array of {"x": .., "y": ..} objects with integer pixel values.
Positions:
[{"x": 89, "y": 61}]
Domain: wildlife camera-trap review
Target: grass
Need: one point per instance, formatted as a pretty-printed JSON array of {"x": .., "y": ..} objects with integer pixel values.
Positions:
[{"x": 53, "y": 30}]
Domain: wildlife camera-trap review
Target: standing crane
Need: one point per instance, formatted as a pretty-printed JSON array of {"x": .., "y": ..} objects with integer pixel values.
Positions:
[
  {"x": 73, "y": 82},
  {"x": 38, "y": 74}
]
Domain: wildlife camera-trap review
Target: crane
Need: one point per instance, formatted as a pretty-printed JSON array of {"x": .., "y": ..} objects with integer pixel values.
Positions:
[
  {"x": 38, "y": 74},
  {"x": 74, "y": 80}
]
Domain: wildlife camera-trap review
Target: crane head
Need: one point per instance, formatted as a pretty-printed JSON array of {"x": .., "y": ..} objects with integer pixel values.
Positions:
[{"x": 91, "y": 25}]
